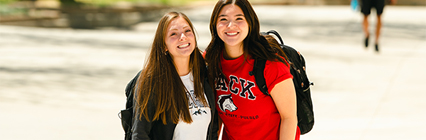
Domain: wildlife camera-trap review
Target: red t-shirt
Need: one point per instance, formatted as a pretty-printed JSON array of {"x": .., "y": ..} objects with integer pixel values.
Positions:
[{"x": 246, "y": 112}]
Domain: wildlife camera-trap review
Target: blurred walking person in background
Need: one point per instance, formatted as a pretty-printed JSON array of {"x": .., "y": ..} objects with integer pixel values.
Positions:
[{"x": 366, "y": 6}]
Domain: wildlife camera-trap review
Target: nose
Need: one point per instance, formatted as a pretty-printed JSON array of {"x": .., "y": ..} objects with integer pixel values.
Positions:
[
  {"x": 182, "y": 37},
  {"x": 231, "y": 23}
]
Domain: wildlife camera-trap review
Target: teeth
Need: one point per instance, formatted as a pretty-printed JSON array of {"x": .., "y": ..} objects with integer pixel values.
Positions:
[
  {"x": 231, "y": 33},
  {"x": 183, "y": 46}
]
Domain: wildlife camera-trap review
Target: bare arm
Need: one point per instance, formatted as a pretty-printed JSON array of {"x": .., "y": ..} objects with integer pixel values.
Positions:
[{"x": 284, "y": 97}]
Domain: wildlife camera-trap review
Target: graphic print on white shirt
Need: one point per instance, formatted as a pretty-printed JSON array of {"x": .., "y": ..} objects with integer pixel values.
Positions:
[
  {"x": 196, "y": 107},
  {"x": 200, "y": 115}
]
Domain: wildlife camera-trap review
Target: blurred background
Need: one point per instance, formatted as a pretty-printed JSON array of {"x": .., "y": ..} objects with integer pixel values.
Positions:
[
  {"x": 90, "y": 14},
  {"x": 64, "y": 64}
]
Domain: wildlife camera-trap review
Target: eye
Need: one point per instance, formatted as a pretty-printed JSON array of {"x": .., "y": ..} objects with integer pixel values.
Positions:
[
  {"x": 240, "y": 19},
  {"x": 189, "y": 30},
  {"x": 222, "y": 19},
  {"x": 172, "y": 34}
]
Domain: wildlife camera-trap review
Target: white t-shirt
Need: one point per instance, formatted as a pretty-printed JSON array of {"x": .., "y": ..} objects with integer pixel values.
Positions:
[{"x": 200, "y": 114}]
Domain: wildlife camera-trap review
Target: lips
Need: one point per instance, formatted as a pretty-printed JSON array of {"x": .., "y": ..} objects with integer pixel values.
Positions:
[
  {"x": 231, "y": 33},
  {"x": 183, "y": 46}
]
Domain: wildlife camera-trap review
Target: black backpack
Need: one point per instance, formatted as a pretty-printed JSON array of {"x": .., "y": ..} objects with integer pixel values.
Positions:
[
  {"x": 126, "y": 115},
  {"x": 305, "y": 114}
]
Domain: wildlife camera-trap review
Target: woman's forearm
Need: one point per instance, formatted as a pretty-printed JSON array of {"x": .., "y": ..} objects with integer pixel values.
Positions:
[{"x": 288, "y": 128}]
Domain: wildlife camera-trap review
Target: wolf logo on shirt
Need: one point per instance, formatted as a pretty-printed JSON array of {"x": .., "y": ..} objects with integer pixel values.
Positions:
[{"x": 225, "y": 102}]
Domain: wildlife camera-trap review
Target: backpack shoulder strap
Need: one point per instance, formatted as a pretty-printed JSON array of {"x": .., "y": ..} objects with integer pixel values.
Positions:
[
  {"x": 277, "y": 35},
  {"x": 258, "y": 68},
  {"x": 130, "y": 89}
]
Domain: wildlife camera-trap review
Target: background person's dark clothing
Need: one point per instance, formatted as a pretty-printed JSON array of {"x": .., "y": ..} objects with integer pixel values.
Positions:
[{"x": 367, "y": 5}]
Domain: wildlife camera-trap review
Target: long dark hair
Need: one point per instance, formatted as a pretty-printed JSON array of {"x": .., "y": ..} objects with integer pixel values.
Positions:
[
  {"x": 255, "y": 45},
  {"x": 161, "y": 85}
]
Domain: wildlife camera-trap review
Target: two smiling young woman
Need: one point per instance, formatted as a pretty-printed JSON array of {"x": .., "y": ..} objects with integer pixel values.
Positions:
[{"x": 174, "y": 98}]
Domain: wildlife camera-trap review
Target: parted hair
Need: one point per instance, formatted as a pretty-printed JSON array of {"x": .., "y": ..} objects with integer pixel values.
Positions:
[
  {"x": 160, "y": 85},
  {"x": 255, "y": 45}
]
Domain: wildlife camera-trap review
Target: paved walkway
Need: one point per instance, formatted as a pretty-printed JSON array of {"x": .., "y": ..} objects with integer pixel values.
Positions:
[{"x": 68, "y": 84}]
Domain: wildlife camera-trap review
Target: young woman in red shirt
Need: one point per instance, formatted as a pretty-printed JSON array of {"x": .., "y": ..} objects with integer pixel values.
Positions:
[{"x": 245, "y": 111}]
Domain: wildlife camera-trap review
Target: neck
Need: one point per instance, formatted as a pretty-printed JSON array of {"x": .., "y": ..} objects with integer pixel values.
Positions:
[
  {"x": 182, "y": 66},
  {"x": 232, "y": 52}
]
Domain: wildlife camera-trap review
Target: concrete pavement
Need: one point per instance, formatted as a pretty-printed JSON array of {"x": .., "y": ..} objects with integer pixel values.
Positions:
[{"x": 72, "y": 81}]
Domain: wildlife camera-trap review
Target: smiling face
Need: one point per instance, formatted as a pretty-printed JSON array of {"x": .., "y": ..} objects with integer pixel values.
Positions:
[
  {"x": 232, "y": 27},
  {"x": 180, "y": 39}
]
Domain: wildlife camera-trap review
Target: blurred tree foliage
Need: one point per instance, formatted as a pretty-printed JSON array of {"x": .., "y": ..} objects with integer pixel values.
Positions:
[
  {"x": 157, "y": 2},
  {"x": 6, "y": 1},
  {"x": 109, "y": 2}
]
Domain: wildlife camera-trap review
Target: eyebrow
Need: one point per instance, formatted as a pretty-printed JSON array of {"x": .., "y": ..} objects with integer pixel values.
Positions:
[
  {"x": 235, "y": 15},
  {"x": 184, "y": 27}
]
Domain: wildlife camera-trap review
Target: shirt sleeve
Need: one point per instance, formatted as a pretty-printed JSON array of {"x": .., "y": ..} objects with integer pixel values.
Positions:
[{"x": 274, "y": 73}]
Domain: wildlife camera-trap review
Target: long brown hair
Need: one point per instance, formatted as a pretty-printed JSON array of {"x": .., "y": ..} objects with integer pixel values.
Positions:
[
  {"x": 160, "y": 85},
  {"x": 255, "y": 45}
]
